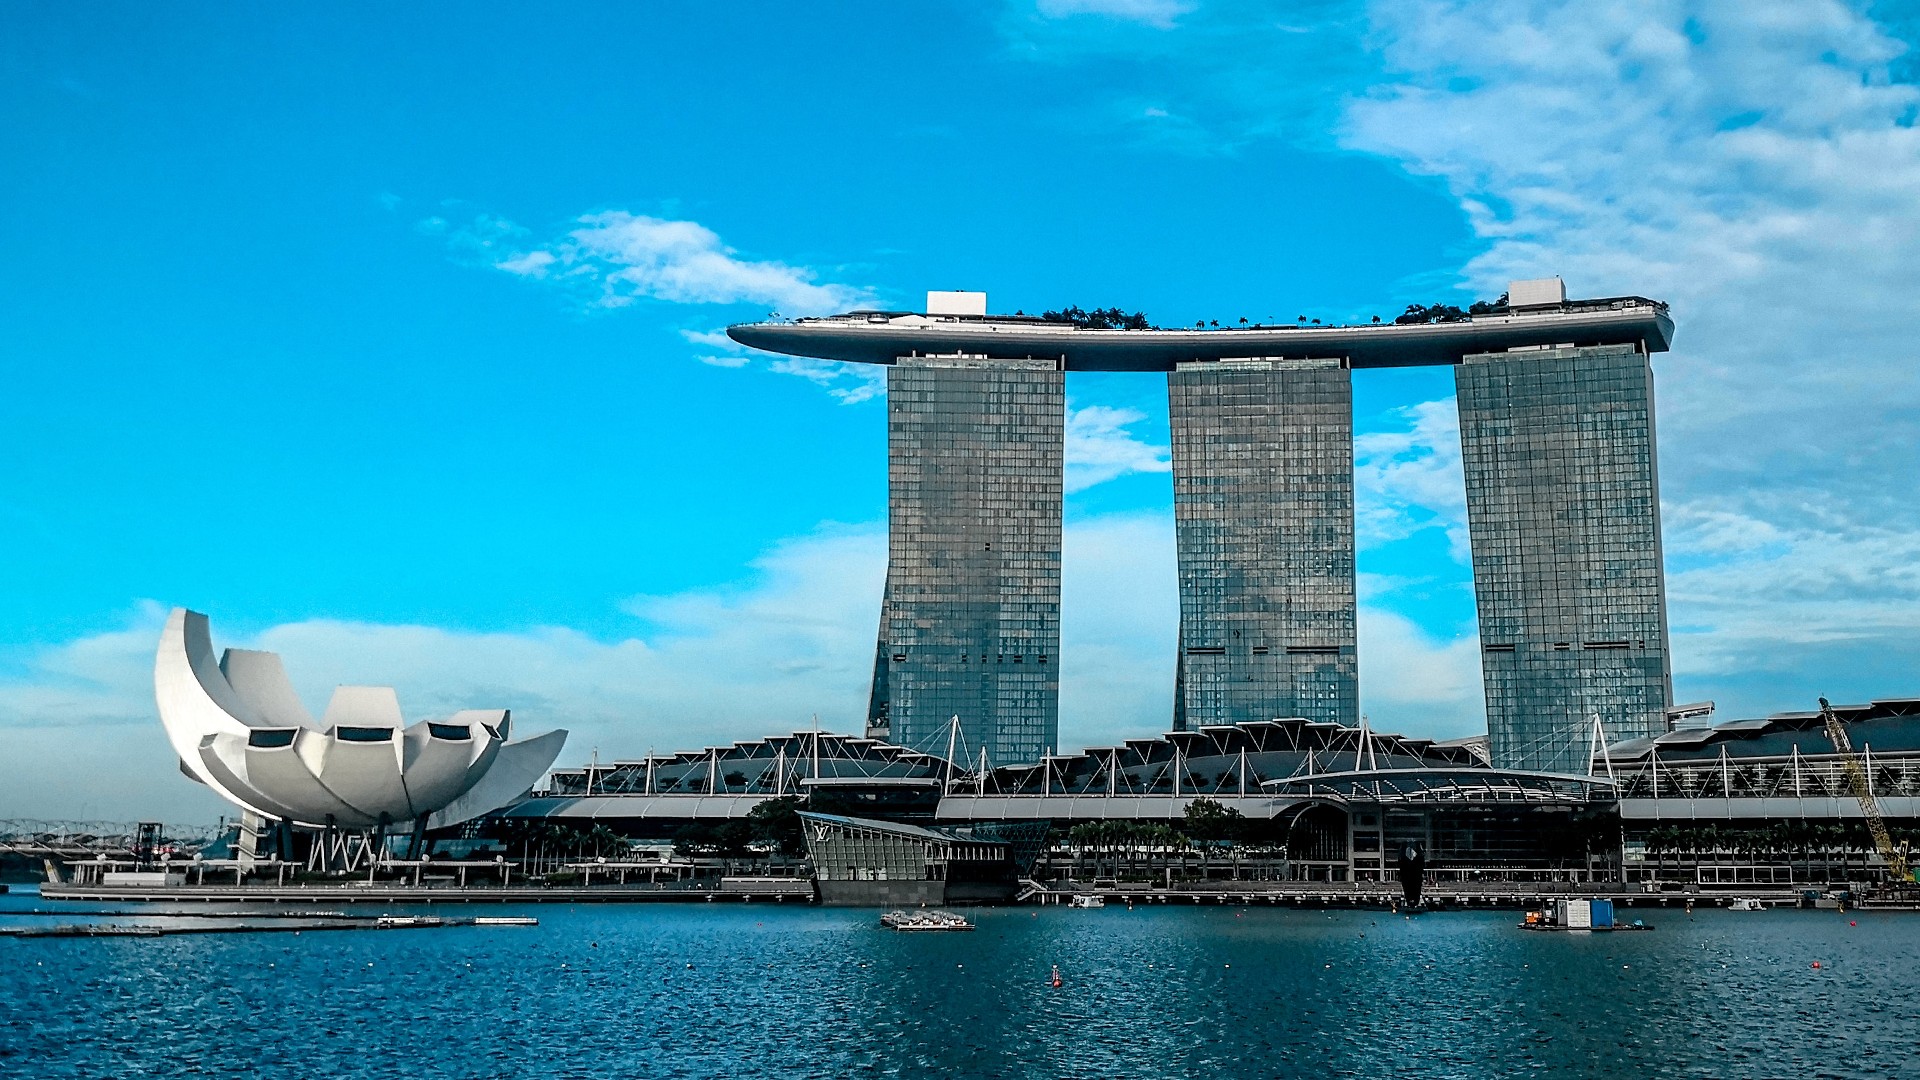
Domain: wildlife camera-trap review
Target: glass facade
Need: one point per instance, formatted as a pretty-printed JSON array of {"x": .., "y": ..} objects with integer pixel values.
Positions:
[
  {"x": 1563, "y": 515},
  {"x": 971, "y": 619},
  {"x": 1263, "y": 508}
]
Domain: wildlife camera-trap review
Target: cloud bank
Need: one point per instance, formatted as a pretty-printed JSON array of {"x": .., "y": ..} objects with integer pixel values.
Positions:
[
  {"x": 1100, "y": 447},
  {"x": 793, "y": 639},
  {"x": 1757, "y": 166},
  {"x": 616, "y": 258}
]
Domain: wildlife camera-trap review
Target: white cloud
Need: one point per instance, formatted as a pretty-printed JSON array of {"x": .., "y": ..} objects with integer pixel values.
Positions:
[
  {"x": 484, "y": 238},
  {"x": 729, "y": 353},
  {"x": 1757, "y": 165},
  {"x": 1157, "y": 13},
  {"x": 793, "y": 638},
  {"x": 1099, "y": 447},
  {"x": 619, "y": 258},
  {"x": 1414, "y": 683},
  {"x": 1119, "y": 621},
  {"x": 851, "y": 383},
  {"x": 1411, "y": 479},
  {"x": 712, "y": 339}
]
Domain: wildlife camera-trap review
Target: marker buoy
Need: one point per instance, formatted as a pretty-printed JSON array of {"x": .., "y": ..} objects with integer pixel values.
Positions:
[
  {"x": 1055, "y": 980},
  {"x": 1816, "y": 965}
]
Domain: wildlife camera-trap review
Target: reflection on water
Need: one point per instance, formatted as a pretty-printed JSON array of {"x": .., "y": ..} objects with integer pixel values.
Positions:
[{"x": 783, "y": 990}]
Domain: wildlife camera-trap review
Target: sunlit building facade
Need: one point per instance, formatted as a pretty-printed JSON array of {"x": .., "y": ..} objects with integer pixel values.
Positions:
[
  {"x": 1263, "y": 511},
  {"x": 970, "y": 622},
  {"x": 1563, "y": 516}
]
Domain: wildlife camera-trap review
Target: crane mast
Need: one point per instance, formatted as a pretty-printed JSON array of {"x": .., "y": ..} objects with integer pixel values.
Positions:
[{"x": 1896, "y": 859}]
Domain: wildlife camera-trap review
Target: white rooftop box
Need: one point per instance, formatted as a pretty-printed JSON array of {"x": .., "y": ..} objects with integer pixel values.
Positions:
[
  {"x": 956, "y": 303},
  {"x": 1537, "y": 293}
]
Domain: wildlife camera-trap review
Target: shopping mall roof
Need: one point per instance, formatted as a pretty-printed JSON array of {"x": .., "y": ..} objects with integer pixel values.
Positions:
[{"x": 1887, "y": 726}]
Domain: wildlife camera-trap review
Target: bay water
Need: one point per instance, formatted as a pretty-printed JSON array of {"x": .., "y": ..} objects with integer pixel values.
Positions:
[{"x": 788, "y": 990}]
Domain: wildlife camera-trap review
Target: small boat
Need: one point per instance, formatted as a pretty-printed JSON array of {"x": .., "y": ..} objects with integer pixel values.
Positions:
[
  {"x": 1744, "y": 903},
  {"x": 925, "y": 920},
  {"x": 505, "y": 920},
  {"x": 1086, "y": 900},
  {"x": 407, "y": 922}
]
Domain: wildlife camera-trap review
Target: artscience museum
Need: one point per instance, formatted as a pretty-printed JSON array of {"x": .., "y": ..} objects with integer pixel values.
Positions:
[{"x": 238, "y": 727}]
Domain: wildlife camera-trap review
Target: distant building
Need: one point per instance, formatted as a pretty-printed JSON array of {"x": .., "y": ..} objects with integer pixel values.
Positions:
[
  {"x": 1747, "y": 803},
  {"x": 862, "y": 861},
  {"x": 1563, "y": 515},
  {"x": 1263, "y": 515},
  {"x": 970, "y": 623}
]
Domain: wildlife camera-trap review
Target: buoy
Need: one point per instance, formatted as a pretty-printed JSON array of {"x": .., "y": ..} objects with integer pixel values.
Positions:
[
  {"x": 1816, "y": 965},
  {"x": 1850, "y": 922},
  {"x": 1055, "y": 981}
]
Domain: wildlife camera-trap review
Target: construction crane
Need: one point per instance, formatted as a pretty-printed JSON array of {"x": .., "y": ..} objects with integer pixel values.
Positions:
[{"x": 1896, "y": 858}]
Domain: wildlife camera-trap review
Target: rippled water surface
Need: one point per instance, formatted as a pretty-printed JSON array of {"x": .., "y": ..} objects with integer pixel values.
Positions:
[{"x": 743, "y": 990}]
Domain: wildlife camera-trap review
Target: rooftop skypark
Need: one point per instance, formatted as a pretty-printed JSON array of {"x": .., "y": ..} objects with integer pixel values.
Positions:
[{"x": 1537, "y": 315}]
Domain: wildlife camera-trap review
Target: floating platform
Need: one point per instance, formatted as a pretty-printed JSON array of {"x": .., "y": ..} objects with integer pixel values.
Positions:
[
  {"x": 925, "y": 920},
  {"x": 797, "y": 890},
  {"x": 1378, "y": 896},
  {"x": 1584, "y": 929},
  {"x": 282, "y": 925}
]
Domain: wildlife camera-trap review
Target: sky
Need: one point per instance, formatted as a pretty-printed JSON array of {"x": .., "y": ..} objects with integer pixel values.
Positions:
[{"x": 390, "y": 338}]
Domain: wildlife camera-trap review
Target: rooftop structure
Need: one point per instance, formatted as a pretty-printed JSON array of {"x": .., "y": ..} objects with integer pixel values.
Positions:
[
  {"x": 1562, "y": 494},
  {"x": 884, "y": 337},
  {"x": 1337, "y": 799},
  {"x": 1776, "y": 767},
  {"x": 863, "y": 861}
]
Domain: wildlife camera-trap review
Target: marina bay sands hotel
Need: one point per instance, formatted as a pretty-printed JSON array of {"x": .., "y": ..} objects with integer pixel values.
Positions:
[{"x": 1556, "y": 433}]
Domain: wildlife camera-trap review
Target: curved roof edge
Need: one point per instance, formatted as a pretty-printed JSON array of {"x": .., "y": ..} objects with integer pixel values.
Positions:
[{"x": 885, "y": 337}]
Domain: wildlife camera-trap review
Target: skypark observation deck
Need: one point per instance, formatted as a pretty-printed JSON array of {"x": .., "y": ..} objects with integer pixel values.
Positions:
[
  {"x": 884, "y": 337},
  {"x": 1557, "y": 446}
]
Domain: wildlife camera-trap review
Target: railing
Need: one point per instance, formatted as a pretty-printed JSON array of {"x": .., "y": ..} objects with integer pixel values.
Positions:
[{"x": 1776, "y": 778}]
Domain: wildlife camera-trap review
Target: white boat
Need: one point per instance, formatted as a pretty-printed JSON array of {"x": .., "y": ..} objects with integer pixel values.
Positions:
[
  {"x": 1744, "y": 903},
  {"x": 1086, "y": 900}
]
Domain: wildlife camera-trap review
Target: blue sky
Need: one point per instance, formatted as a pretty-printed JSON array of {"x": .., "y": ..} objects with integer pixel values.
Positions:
[{"x": 387, "y": 338}]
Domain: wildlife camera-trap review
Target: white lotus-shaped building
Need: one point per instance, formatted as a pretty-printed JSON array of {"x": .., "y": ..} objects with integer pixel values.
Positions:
[{"x": 240, "y": 729}]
